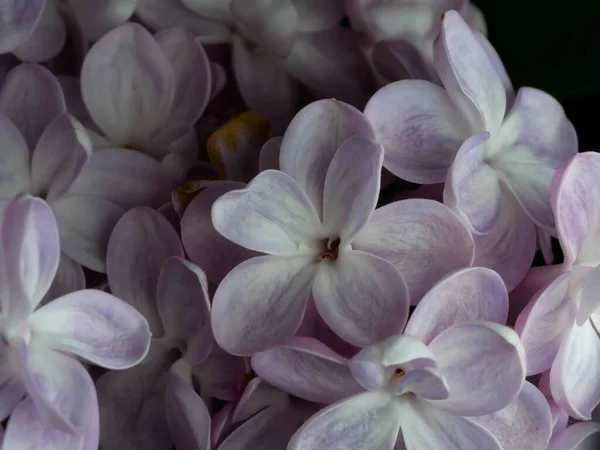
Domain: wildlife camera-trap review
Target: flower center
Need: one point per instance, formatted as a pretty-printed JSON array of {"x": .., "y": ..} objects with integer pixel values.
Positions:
[{"x": 332, "y": 250}]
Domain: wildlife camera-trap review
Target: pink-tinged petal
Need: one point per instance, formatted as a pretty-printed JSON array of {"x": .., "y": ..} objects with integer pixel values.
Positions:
[
  {"x": 271, "y": 215},
  {"x": 182, "y": 150},
  {"x": 424, "y": 383},
  {"x": 11, "y": 390},
  {"x": 95, "y": 326},
  {"x": 589, "y": 300},
  {"x": 468, "y": 74},
  {"x": 491, "y": 52},
  {"x": 331, "y": 64},
  {"x": 425, "y": 426},
  {"x": 128, "y": 84},
  {"x": 31, "y": 98},
  {"x": 544, "y": 244},
  {"x": 125, "y": 177},
  {"x": 483, "y": 364},
  {"x": 47, "y": 38},
  {"x": 469, "y": 294},
  {"x": 261, "y": 303},
  {"x": 17, "y": 20},
  {"x": 415, "y": 234},
  {"x": 60, "y": 387},
  {"x": 139, "y": 245},
  {"x": 264, "y": 85},
  {"x": 575, "y": 373},
  {"x": 234, "y": 148},
  {"x": 84, "y": 225},
  {"x": 399, "y": 59},
  {"x": 308, "y": 369},
  {"x": 69, "y": 278},
  {"x": 373, "y": 367},
  {"x": 368, "y": 420},
  {"x": 98, "y": 18},
  {"x": 313, "y": 137},
  {"x": 183, "y": 304},
  {"x": 525, "y": 423},
  {"x": 473, "y": 186},
  {"x": 218, "y": 79},
  {"x": 272, "y": 24},
  {"x": 213, "y": 9},
  {"x": 351, "y": 188},
  {"x": 203, "y": 244},
  {"x": 543, "y": 323},
  {"x": 390, "y": 20},
  {"x": 59, "y": 155},
  {"x": 579, "y": 436},
  {"x": 316, "y": 15},
  {"x": 15, "y": 175},
  {"x": 361, "y": 297},
  {"x": 269, "y": 154},
  {"x": 537, "y": 278},
  {"x": 219, "y": 375},
  {"x": 535, "y": 139},
  {"x": 192, "y": 74},
  {"x": 187, "y": 415},
  {"x": 30, "y": 254},
  {"x": 419, "y": 127},
  {"x": 163, "y": 14},
  {"x": 574, "y": 201},
  {"x": 257, "y": 396}
]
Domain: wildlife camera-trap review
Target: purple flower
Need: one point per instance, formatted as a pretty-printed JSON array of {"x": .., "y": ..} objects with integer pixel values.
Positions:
[
  {"x": 317, "y": 224},
  {"x": 39, "y": 346},
  {"x": 580, "y": 436}
]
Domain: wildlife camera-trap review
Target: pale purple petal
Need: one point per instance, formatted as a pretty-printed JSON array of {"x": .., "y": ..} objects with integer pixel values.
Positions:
[
  {"x": 14, "y": 160},
  {"x": 128, "y": 84},
  {"x": 140, "y": 244},
  {"x": 31, "y": 98},
  {"x": 313, "y": 137},
  {"x": 11, "y": 389},
  {"x": 261, "y": 302},
  {"x": 470, "y": 12},
  {"x": 589, "y": 300},
  {"x": 575, "y": 373},
  {"x": 212, "y": 9},
  {"x": 192, "y": 74},
  {"x": 84, "y": 225},
  {"x": 424, "y": 383},
  {"x": 399, "y": 59},
  {"x": 69, "y": 278},
  {"x": 203, "y": 244},
  {"x": 98, "y": 18},
  {"x": 306, "y": 368},
  {"x": 257, "y": 396},
  {"x": 525, "y": 423},
  {"x": 17, "y": 20},
  {"x": 580, "y": 436},
  {"x": 317, "y": 15},
  {"x": 351, "y": 188},
  {"x": 469, "y": 294},
  {"x": 423, "y": 239},
  {"x": 271, "y": 215},
  {"x": 483, "y": 364},
  {"x": 59, "y": 155},
  {"x": 419, "y": 127},
  {"x": 219, "y": 375},
  {"x": 95, "y": 326},
  {"x": 361, "y": 297},
  {"x": 369, "y": 420},
  {"x": 469, "y": 75},
  {"x": 183, "y": 304},
  {"x": 269, "y": 154}
]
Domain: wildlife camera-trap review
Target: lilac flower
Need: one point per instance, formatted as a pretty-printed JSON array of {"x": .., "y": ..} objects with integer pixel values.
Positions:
[
  {"x": 559, "y": 327},
  {"x": 146, "y": 92},
  {"x": 500, "y": 178},
  {"x": 31, "y": 29},
  {"x": 456, "y": 376},
  {"x": 316, "y": 223},
  {"x": 580, "y": 436},
  {"x": 39, "y": 346}
]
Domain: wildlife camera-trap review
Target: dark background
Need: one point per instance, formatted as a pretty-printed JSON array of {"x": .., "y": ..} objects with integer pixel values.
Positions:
[{"x": 554, "y": 46}]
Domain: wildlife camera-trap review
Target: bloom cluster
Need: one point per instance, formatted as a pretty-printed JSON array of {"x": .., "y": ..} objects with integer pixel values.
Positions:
[{"x": 288, "y": 224}]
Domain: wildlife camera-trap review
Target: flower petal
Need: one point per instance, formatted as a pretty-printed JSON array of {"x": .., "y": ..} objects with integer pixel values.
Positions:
[
  {"x": 95, "y": 326},
  {"x": 368, "y": 420},
  {"x": 575, "y": 373},
  {"x": 213, "y": 9},
  {"x": 313, "y": 137},
  {"x": 11, "y": 389},
  {"x": 271, "y": 215},
  {"x": 469, "y": 294},
  {"x": 579, "y": 436},
  {"x": 261, "y": 303},
  {"x": 425, "y": 383},
  {"x": 351, "y": 187},
  {"x": 31, "y": 98},
  {"x": 183, "y": 304},
  {"x": 96, "y": 19},
  {"x": 308, "y": 369},
  {"x": 469, "y": 75},
  {"x": 399, "y": 59},
  {"x": 128, "y": 84},
  {"x": 269, "y": 154},
  {"x": 525, "y": 423},
  {"x": 139, "y": 245},
  {"x": 69, "y": 278},
  {"x": 361, "y": 297},
  {"x": 483, "y": 364},
  {"x": 316, "y": 15},
  {"x": 419, "y": 127},
  {"x": 219, "y": 375},
  {"x": 18, "y": 20},
  {"x": 15, "y": 173},
  {"x": 415, "y": 234}
]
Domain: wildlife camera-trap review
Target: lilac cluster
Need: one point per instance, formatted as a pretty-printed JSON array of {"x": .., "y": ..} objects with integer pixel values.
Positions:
[{"x": 195, "y": 253}]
